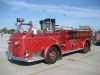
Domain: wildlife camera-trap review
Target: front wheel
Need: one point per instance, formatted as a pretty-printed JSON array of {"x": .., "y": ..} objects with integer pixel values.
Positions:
[
  {"x": 86, "y": 48},
  {"x": 52, "y": 55}
]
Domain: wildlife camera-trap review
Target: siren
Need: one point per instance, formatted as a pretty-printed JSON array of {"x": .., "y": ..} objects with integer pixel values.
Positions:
[{"x": 20, "y": 20}]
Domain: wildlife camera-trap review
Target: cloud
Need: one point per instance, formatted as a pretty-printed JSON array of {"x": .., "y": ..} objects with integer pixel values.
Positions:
[{"x": 62, "y": 9}]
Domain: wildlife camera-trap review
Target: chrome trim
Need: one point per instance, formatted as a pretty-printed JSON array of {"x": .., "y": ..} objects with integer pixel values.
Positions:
[
  {"x": 10, "y": 56},
  {"x": 63, "y": 45},
  {"x": 68, "y": 51}
]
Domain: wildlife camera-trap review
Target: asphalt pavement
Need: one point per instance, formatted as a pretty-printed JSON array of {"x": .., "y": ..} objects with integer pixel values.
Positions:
[{"x": 71, "y": 64}]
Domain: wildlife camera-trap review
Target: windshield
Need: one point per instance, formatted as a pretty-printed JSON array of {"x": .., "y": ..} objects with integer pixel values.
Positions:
[
  {"x": 22, "y": 28},
  {"x": 35, "y": 30}
]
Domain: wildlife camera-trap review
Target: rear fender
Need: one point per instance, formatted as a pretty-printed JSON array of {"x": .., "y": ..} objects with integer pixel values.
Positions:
[{"x": 87, "y": 40}]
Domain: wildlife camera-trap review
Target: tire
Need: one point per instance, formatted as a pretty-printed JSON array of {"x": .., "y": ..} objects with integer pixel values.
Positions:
[
  {"x": 86, "y": 48},
  {"x": 52, "y": 55}
]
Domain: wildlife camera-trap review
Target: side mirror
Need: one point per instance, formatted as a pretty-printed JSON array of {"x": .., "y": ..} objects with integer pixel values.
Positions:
[{"x": 24, "y": 32}]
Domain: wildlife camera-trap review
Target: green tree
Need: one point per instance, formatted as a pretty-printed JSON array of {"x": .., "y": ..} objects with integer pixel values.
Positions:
[
  {"x": 11, "y": 31},
  {"x": 4, "y": 30}
]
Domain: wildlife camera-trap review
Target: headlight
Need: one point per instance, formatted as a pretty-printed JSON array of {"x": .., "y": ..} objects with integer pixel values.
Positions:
[{"x": 16, "y": 43}]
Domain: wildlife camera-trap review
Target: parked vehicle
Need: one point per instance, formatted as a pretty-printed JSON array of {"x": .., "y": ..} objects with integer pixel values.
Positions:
[
  {"x": 30, "y": 44},
  {"x": 96, "y": 37}
]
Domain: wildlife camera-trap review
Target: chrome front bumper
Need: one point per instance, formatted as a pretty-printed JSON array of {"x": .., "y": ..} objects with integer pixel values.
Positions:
[{"x": 10, "y": 56}]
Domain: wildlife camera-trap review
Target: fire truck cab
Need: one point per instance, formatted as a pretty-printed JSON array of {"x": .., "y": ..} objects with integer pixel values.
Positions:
[{"x": 30, "y": 44}]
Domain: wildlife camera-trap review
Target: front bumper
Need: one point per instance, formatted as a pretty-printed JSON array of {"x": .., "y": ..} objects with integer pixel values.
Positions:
[{"x": 10, "y": 56}]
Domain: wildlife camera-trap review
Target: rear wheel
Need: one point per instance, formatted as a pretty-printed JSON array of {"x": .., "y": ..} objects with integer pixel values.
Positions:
[
  {"x": 86, "y": 48},
  {"x": 52, "y": 55}
]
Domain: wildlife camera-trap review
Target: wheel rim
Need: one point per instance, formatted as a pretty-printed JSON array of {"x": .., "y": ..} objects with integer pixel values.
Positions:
[{"x": 52, "y": 55}]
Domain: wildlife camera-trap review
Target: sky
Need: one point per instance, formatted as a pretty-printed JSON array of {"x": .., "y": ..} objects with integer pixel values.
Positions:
[{"x": 70, "y": 13}]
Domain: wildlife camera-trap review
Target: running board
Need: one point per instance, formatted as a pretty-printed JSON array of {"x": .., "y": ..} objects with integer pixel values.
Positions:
[{"x": 68, "y": 51}]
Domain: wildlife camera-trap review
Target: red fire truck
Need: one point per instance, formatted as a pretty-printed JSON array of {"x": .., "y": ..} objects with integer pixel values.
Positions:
[{"x": 30, "y": 44}]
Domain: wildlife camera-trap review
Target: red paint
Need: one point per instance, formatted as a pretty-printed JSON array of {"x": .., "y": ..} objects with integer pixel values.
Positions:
[{"x": 38, "y": 42}]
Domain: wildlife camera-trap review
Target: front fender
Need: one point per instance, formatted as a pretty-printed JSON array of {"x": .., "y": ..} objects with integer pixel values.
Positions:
[
  {"x": 47, "y": 48},
  {"x": 52, "y": 41}
]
